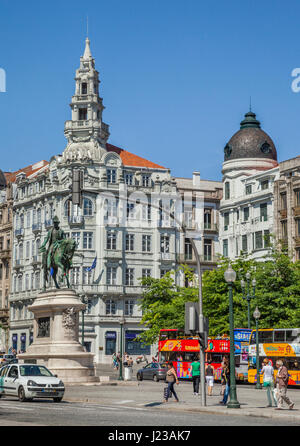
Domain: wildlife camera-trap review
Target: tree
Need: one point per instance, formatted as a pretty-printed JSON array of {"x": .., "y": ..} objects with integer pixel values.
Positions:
[{"x": 277, "y": 296}]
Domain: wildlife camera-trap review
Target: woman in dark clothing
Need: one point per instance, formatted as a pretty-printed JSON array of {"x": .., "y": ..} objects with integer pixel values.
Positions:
[
  {"x": 226, "y": 376},
  {"x": 209, "y": 376}
]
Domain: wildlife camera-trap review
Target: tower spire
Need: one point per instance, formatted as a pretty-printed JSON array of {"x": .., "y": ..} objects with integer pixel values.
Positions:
[{"x": 87, "y": 52}]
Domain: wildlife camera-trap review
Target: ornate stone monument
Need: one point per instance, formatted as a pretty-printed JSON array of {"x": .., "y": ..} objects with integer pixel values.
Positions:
[{"x": 56, "y": 319}]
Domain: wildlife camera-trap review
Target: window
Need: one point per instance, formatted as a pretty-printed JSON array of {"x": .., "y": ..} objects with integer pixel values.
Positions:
[
  {"x": 248, "y": 189},
  {"x": 27, "y": 250},
  {"x": 129, "y": 305},
  {"x": 297, "y": 197},
  {"x": 258, "y": 240},
  {"x": 265, "y": 184},
  {"x": 84, "y": 88},
  {"x": 207, "y": 218},
  {"x": 245, "y": 243},
  {"x": 284, "y": 229},
  {"x": 87, "y": 277},
  {"x": 37, "y": 280},
  {"x": 207, "y": 249},
  {"x": 110, "y": 342},
  {"x": 76, "y": 236},
  {"x": 145, "y": 180},
  {"x": 188, "y": 250},
  {"x": 67, "y": 208},
  {"x": 129, "y": 242},
  {"x": 146, "y": 243},
  {"x": 164, "y": 244},
  {"x": 133, "y": 346},
  {"x": 111, "y": 175},
  {"x": 129, "y": 276},
  {"x": 129, "y": 178},
  {"x": 130, "y": 210},
  {"x": 26, "y": 282},
  {"x": 75, "y": 275},
  {"x": 163, "y": 271},
  {"x": 110, "y": 307},
  {"x": 225, "y": 248},
  {"x": 82, "y": 114},
  {"x": 226, "y": 221},
  {"x": 227, "y": 190},
  {"x": 111, "y": 240},
  {"x": 87, "y": 207},
  {"x": 264, "y": 212},
  {"x": 87, "y": 240},
  {"x": 246, "y": 214},
  {"x": 28, "y": 219},
  {"x": 146, "y": 212},
  {"x": 111, "y": 208},
  {"x": 267, "y": 241},
  {"x": 111, "y": 275},
  {"x": 146, "y": 272}
]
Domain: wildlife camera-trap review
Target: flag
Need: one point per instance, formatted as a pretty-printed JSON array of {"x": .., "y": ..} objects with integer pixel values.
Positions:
[{"x": 89, "y": 268}]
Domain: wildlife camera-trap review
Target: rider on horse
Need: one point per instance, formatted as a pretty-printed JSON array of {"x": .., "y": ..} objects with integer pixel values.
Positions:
[{"x": 54, "y": 238}]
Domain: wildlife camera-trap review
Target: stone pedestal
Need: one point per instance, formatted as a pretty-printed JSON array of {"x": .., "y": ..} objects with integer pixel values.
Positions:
[{"x": 56, "y": 332}]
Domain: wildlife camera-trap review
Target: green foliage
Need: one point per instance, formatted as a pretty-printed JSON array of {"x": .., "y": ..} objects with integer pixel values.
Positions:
[{"x": 277, "y": 295}]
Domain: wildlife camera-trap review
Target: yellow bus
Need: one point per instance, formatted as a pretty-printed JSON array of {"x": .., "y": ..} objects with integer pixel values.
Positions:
[{"x": 274, "y": 344}]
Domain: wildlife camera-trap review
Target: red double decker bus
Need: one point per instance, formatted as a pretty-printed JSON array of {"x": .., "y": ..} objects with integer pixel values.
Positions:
[{"x": 182, "y": 350}]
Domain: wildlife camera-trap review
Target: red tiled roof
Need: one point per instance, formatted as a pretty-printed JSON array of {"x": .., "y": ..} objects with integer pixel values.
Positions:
[
  {"x": 28, "y": 170},
  {"x": 129, "y": 159}
]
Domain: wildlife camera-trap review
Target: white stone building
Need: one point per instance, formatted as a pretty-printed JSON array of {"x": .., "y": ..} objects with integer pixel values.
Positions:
[
  {"x": 125, "y": 240},
  {"x": 250, "y": 169}
]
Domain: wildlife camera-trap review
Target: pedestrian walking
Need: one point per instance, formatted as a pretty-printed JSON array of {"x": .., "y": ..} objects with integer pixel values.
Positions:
[
  {"x": 196, "y": 375},
  {"x": 268, "y": 381},
  {"x": 282, "y": 380},
  {"x": 115, "y": 361},
  {"x": 226, "y": 377},
  {"x": 223, "y": 382},
  {"x": 209, "y": 377},
  {"x": 171, "y": 378}
]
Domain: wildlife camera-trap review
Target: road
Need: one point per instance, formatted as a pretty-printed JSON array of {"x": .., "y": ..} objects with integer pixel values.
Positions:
[{"x": 48, "y": 413}]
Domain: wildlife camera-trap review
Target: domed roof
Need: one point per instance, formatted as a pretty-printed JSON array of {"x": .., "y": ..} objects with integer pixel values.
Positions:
[
  {"x": 250, "y": 141},
  {"x": 2, "y": 180}
]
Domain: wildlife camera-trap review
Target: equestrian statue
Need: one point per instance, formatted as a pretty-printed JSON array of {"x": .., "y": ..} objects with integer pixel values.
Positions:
[{"x": 58, "y": 254}]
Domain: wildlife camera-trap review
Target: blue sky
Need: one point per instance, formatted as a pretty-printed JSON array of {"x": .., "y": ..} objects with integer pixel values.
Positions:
[{"x": 176, "y": 76}]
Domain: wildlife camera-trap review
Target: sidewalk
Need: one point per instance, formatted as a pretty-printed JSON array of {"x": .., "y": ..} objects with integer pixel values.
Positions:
[{"x": 148, "y": 395}]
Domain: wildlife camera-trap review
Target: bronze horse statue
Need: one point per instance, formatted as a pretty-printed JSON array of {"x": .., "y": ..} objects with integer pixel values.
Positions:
[{"x": 61, "y": 257}]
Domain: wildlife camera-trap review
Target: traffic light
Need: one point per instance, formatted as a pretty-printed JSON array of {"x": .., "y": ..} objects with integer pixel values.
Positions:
[
  {"x": 203, "y": 340},
  {"x": 77, "y": 186}
]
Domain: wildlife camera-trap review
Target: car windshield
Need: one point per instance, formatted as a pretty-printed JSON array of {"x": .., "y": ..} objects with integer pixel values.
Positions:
[{"x": 34, "y": 370}]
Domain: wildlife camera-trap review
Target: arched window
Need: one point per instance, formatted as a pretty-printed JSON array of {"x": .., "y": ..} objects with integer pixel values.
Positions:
[{"x": 87, "y": 207}]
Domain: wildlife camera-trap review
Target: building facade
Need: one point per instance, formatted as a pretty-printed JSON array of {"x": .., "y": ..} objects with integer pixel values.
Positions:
[
  {"x": 120, "y": 231},
  {"x": 201, "y": 201},
  {"x": 287, "y": 206},
  {"x": 250, "y": 170}
]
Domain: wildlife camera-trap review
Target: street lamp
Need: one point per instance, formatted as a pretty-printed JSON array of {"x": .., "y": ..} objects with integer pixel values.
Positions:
[
  {"x": 248, "y": 296},
  {"x": 256, "y": 316},
  {"x": 122, "y": 322},
  {"x": 230, "y": 276}
]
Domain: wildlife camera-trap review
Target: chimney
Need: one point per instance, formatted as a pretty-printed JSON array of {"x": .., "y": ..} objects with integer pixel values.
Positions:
[{"x": 196, "y": 179}]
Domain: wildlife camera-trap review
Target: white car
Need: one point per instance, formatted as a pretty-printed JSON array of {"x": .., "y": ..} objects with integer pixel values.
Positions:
[{"x": 28, "y": 381}]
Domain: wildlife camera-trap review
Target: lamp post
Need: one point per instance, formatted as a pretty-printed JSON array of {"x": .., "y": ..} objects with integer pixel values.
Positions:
[
  {"x": 122, "y": 322},
  {"x": 256, "y": 316},
  {"x": 230, "y": 276},
  {"x": 84, "y": 301},
  {"x": 248, "y": 296}
]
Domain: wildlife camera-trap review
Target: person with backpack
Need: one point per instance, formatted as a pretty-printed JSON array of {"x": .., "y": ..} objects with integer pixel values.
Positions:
[
  {"x": 171, "y": 378},
  {"x": 268, "y": 381},
  {"x": 282, "y": 380}
]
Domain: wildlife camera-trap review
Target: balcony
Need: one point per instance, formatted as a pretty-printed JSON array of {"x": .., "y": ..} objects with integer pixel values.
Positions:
[
  {"x": 211, "y": 227},
  {"x": 19, "y": 232},
  {"x": 296, "y": 211},
  {"x": 166, "y": 256},
  {"x": 36, "y": 260},
  {"x": 187, "y": 259},
  {"x": 5, "y": 254},
  {"x": 76, "y": 220},
  {"x": 19, "y": 263},
  {"x": 113, "y": 254},
  {"x": 283, "y": 213},
  {"x": 36, "y": 227}
]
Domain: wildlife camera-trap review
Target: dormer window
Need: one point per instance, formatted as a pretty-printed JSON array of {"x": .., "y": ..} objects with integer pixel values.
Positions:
[
  {"x": 227, "y": 190},
  {"x": 84, "y": 88},
  {"x": 248, "y": 189},
  {"x": 82, "y": 114},
  {"x": 264, "y": 184}
]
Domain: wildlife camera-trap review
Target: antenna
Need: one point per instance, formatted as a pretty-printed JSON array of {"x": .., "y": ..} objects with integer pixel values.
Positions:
[
  {"x": 250, "y": 105},
  {"x": 87, "y": 26}
]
